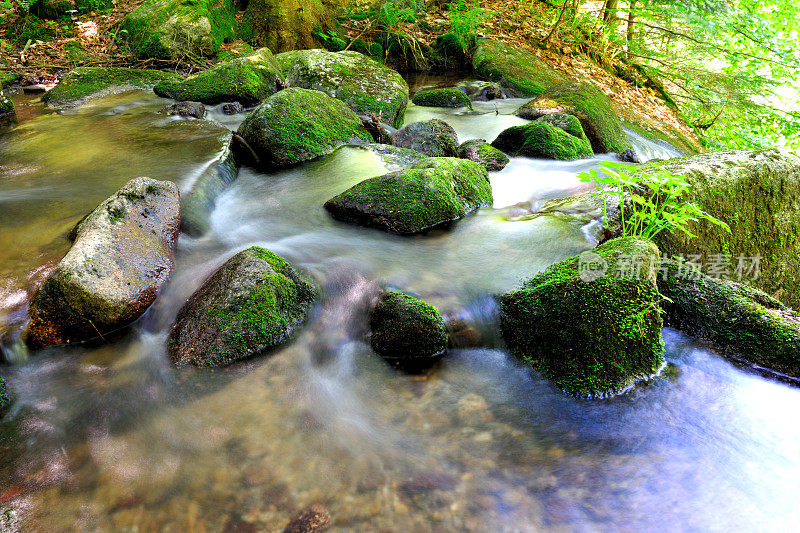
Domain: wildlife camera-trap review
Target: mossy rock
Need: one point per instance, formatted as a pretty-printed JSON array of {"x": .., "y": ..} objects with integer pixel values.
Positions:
[
  {"x": 590, "y": 105},
  {"x": 365, "y": 85},
  {"x": 296, "y": 125},
  {"x": 442, "y": 98},
  {"x": 593, "y": 332},
  {"x": 736, "y": 319},
  {"x": 5, "y": 398},
  {"x": 434, "y": 138},
  {"x": 122, "y": 255},
  {"x": 283, "y": 25},
  {"x": 485, "y": 154},
  {"x": 178, "y": 29},
  {"x": 521, "y": 72},
  {"x": 285, "y": 60},
  {"x": 253, "y": 303},
  {"x": 247, "y": 80},
  {"x": 434, "y": 192},
  {"x": 542, "y": 140},
  {"x": 757, "y": 193},
  {"x": 406, "y": 332},
  {"x": 57, "y": 9},
  {"x": 84, "y": 83},
  {"x": 7, "y": 78},
  {"x": 568, "y": 123}
]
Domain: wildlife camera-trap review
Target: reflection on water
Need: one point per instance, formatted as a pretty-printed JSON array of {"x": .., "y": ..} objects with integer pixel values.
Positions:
[{"x": 113, "y": 438}]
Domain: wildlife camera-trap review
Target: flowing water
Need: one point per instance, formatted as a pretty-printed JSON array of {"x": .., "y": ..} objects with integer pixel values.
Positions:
[{"x": 114, "y": 439}]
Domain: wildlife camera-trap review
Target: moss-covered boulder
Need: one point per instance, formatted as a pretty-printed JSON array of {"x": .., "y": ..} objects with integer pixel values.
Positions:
[
  {"x": 296, "y": 125},
  {"x": 5, "y": 398},
  {"x": 736, "y": 319},
  {"x": 432, "y": 193},
  {"x": 255, "y": 302},
  {"x": 591, "y": 323},
  {"x": 247, "y": 80},
  {"x": 85, "y": 83},
  {"x": 283, "y": 25},
  {"x": 286, "y": 59},
  {"x": 590, "y": 105},
  {"x": 122, "y": 255},
  {"x": 442, "y": 98},
  {"x": 365, "y": 85},
  {"x": 757, "y": 193},
  {"x": 406, "y": 332},
  {"x": 541, "y": 139},
  {"x": 481, "y": 152},
  {"x": 178, "y": 29},
  {"x": 568, "y": 123},
  {"x": 434, "y": 138},
  {"x": 521, "y": 72}
]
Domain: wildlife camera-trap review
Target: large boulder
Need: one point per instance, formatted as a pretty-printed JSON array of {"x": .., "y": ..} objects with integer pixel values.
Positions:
[
  {"x": 296, "y": 125},
  {"x": 591, "y": 323},
  {"x": 434, "y": 138},
  {"x": 736, "y": 319},
  {"x": 541, "y": 139},
  {"x": 253, "y": 303},
  {"x": 365, "y": 85},
  {"x": 122, "y": 255},
  {"x": 283, "y": 25},
  {"x": 408, "y": 333},
  {"x": 442, "y": 98},
  {"x": 84, "y": 83},
  {"x": 757, "y": 193},
  {"x": 480, "y": 151},
  {"x": 520, "y": 72},
  {"x": 247, "y": 80},
  {"x": 432, "y": 193},
  {"x": 590, "y": 105},
  {"x": 177, "y": 29}
]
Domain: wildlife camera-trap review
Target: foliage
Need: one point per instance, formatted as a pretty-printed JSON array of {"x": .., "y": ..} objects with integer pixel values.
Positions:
[
  {"x": 465, "y": 19},
  {"x": 655, "y": 200}
]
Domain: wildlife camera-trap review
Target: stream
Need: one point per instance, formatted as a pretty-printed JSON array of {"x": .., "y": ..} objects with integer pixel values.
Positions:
[{"x": 113, "y": 438}]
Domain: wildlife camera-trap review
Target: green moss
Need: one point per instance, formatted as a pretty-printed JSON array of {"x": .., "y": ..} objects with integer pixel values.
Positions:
[
  {"x": 521, "y": 72},
  {"x": 592, "y": 338},
  {"x": 5, "y": 398},
  {"x": 442, "y": 98},
  {"x": 285, "y": 60},
  {"x": 6, "y": 105},
  {"x": 481, "y": 152},
  {"x": 7, "y": 78},
  {"x": 542, "y": 140},
  {"x": 568, "y": 123},
  {"x": 84, "y": 82},
  {"x": 174, "y": 29}
]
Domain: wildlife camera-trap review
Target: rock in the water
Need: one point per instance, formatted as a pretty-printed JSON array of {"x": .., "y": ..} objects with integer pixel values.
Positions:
[
  {"x": 480, "y": 151},
  {"x": 186, "y": 109},
  {"x": 394, "y": 157},
  {"x": 232, "y": 108},
  {"x": 408, "y": 333},
  {"x": 365, "y": 85},
  {"x": 629, "y": 156},
  {"x": 591, "y": 323},
  {"x": 482, "y": 91},
  {"x": 541, "y": 139},
  {"x": 296, "y": 125},
  {"x": 5, "y": 398},
  {"x": 434, "y": 138},
  {"x": 568, "y": 123},
  {"x": 736, "y": 319},
  {"x": 442, "y": 98},
  {"x": 588, "y": 103},
  {"x": 84, "y": 83},
  {"x": 175, "y": 29},
  {"x": 122, "y": 255},
  {"x": 432, "y": 193},
  {"x": 521, "y": 72},
  {"x": 312, "y": 519},
  {"x": 757, "y": 193},
  {"x": 248, "y": 80},
  {"x": 253, "y": 303}
]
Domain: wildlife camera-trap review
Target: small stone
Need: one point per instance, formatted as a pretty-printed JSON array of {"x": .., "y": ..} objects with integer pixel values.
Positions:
[
  {"x": 232, "y": 108},
  {"x": 629, "y": 156},
  {"x": 313, "y": 518},
  {"x": 186, "y": 109},
  {"x": 472, "y": 410},
  {"x": 36, "y": 88}
]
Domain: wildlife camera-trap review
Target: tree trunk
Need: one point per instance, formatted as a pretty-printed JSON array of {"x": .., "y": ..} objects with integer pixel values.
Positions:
[
  {"x": 283, "y": 25},
  {"x": 610, "y": 12},
  {"x": 631, "y": 21}
]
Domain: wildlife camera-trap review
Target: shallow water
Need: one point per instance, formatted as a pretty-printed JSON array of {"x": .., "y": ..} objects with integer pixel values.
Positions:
[{"x": 114, "y": 439}]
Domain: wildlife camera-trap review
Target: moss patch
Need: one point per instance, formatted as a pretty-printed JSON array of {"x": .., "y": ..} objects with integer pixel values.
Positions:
[
  {"x": 481, "y": 152},
  {"x": 442, "y": 98},
  {"x": 542, "y": 140},
  {"x": 521, "y": 72},
  {"x": 83, "y": 83}
]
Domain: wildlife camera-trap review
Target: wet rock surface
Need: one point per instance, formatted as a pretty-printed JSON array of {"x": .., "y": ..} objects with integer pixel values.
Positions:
[{"x": 434, "y": 138}]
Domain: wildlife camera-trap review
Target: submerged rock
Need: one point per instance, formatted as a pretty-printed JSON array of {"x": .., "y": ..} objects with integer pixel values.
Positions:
[
  {"x": 312, "y": 519},
  {"x": 122, "y": 255},
  {"x": 541, "y": 139},
  {"x": 521, "y": 72},
  {"x": 232, "y": 108},
  {"x": 433, "y": 192},
  {"x": 442, "y": 98},
  {"x": 434, "y": 138},
  {"x": 186, "y": 109},
  {"x": 587, "y": 103},
  {"x": 84, "y": 83},
  {"x": 394, "y": 157},
  {"x": 251, "y": 304},
  {"x": 297, "y": 125},
  {"x": 366, "y": 86},
  {"x": 591, "y": 323},
  {"x": 481, "y": 152},
  {"x": 408, "y": 333},
  {"x": 175, "y": 29},
  {"x": 736, "y": 319},
  {"x": 248, "y": 80}
]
